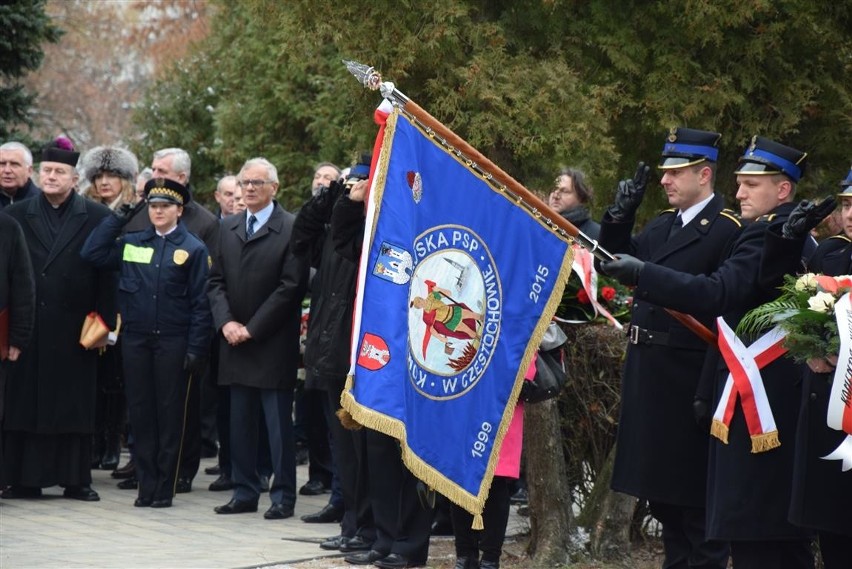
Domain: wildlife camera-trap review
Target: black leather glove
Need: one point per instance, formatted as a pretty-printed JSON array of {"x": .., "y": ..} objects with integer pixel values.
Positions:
[
  {"x": 126, "y": 212},
  {"x": 196, "y": 365},
  {"x": 625, "y": 269},
  {"x": 701, "y": 412},
  {"x": 629, "y": 195},
  {"x": 806, "y": 216}
]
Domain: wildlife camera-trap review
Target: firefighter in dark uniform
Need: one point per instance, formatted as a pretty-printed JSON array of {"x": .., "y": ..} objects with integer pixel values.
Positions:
[
  {"x": 750, "y": 466},
  {"x": 822, "y": 491},
  {"x": 661, "y": 454},
  {"x": 166, "y": 324}
]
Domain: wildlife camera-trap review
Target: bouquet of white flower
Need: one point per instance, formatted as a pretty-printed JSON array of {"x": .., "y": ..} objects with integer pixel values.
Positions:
[{"x": 805, "y": 311}]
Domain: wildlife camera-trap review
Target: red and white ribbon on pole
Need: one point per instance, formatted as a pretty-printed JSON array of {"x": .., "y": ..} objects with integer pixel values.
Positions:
[
  {"x": 839, "y": 415},
  {"x": 744, "y": 381},
  {"x": 584, "y": 266}
]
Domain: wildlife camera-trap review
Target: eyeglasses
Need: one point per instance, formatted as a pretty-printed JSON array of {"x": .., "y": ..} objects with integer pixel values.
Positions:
[{"x": 255, "y": 183}]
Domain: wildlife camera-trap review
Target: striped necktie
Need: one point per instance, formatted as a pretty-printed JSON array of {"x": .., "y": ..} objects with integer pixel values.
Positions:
[{"x": 250, "y": 231}]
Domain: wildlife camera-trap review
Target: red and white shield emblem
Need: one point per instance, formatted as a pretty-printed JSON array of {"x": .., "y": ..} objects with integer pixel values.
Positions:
[{"x": 374, "y": 353}]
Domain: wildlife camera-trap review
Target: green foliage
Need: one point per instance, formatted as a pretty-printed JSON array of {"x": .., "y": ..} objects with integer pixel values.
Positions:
[
  {"x": 25, "y": 27},
  {"x": 533, "y": 85}
]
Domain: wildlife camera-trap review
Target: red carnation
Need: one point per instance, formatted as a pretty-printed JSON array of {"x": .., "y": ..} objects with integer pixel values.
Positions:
[
  {"x": 607, "y": 293},
  {"x": 582, "y": 296}
]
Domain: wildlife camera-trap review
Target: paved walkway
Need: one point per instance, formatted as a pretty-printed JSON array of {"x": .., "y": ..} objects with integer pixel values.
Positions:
[{"x": 54, "y": 532}]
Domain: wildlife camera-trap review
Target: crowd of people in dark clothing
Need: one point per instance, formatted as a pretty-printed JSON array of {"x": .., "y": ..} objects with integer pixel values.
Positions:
[{"x": 196, "y": 348}]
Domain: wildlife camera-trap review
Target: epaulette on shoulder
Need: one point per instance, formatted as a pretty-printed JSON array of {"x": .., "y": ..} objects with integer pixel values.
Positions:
[
  {"x": 665, "y": 211},
  {"x": 732, "y": 215},
  {"x": 767, "y": 218},
  {"x": 841, "y": 237}
]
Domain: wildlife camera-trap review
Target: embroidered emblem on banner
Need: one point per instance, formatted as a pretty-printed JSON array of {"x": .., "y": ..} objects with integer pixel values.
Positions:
[
  {"x": 374, "y": 353},
  {"x": 393, "y": 264},
  {"x": 415, "y": 182},
  {"x": 455, "y": 302}
]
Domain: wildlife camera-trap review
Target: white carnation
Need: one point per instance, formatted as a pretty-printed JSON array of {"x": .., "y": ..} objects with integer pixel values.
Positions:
[
  {"x": 807, "y": 281},
  {"x": 821, "y": 302}
]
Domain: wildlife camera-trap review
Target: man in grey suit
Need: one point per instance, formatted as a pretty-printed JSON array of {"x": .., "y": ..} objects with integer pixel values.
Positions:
[{"x": 256, "y": 289}]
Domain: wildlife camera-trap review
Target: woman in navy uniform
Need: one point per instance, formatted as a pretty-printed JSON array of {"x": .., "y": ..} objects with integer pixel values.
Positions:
[{"x": 166, "y": 324}]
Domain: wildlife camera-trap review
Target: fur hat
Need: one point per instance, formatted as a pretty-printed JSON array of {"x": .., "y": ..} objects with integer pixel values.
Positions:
[{"x": 112, "y": 160}]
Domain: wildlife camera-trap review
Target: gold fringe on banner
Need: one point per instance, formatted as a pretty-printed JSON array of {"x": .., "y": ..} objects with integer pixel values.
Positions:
[{"x": 394, "y": 427}]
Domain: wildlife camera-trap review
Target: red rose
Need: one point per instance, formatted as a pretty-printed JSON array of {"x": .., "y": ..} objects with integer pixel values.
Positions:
[
  {"x": 582, "y": 296},
  {"x": 608, "y": 293}
]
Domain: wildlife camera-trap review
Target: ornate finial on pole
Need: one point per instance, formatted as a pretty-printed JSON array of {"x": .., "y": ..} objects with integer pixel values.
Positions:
[{"x": 372, "y": 79}]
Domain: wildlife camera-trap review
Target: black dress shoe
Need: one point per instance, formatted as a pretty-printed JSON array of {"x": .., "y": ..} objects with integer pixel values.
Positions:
[
  {"x": 333, "y": 543},
  {"x": 221, "y": 483},
  {"x": 142, "y": 502},
  {"x": 109, "y": 462},
  {"x": 236, "y": 507},
  {"x": 327, "y": 515},
  {"x": 312, "y": 488},
  {"x": 214, "y": 470},
  {"x": 278, "y": 512},
  {"x": 364, "y": 557},
  {"x": 164, "y": 503},
  {"x": 489, "y": 565},
  {"x": 183, "y": 486},
  {"x": 18, "y": 492},
  {"x": 84, "y": 493},
  {"x": 126, "y": 471},
  {"x": 467, "y": 563},
  {"x": 356, "y": 543},
  {"x": 397, "y": 561},
  {"x": 129, "y": 484}
]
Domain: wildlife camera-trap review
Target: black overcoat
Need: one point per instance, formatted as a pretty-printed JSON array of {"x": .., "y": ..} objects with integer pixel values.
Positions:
[
  {"x": 747, "y": 493},
  {"x": 661, "y": 453},
  {"x": 51, "y": 390},
  {"x": 260, "y": 283},
  {"x": 822, "y": 492}
]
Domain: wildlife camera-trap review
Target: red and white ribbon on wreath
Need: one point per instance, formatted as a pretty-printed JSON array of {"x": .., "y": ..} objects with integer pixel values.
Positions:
[
  {"x": 839, "y": 415},
  {"x": 744, "y": 382},
  {"x": 584, "y": 266}
]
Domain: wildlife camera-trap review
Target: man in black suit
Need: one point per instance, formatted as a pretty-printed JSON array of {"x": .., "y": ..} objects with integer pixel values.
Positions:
[
  {"x": 16, "y": 170},
  {"x": 661, "y": 454},
  {"x": 256, "y": 289}
]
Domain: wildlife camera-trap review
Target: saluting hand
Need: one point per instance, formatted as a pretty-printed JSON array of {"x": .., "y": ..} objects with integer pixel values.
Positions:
[
  {"x": 629, "y": 195},
  {"x": 806, "y": 216}
]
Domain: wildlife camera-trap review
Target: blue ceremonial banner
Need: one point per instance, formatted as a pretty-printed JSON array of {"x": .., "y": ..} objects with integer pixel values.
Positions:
[{"x": 457, "y": 284}]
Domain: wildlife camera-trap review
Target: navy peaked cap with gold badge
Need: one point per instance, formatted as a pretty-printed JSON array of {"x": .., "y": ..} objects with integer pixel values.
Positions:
[
  {"x": 688, "y": 146},
  {"x": 165, "y": 190},
  {"x": 846, "y": 184},
  {"x": 764, "y": 156}
]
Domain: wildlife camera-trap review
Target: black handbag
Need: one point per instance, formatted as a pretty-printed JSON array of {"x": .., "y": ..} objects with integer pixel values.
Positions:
[{"x": 550, "y": 375}]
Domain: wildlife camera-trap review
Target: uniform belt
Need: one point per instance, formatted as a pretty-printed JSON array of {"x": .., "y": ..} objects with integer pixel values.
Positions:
[{"x": 638, "y": 335}]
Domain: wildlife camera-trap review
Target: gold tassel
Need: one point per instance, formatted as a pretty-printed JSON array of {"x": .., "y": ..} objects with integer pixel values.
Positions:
[
  {"x": 347, "y": 420},
  {"x": 719, "y": 430},
  {"x": 477, "y": 522},
  {"x": 765, "y": 442}
]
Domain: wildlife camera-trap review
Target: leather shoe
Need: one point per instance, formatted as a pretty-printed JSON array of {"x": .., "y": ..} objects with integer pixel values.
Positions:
[
  {"x": 327, "y": 515},
  {"x": 183, "y": 486},
  {"x": 126, "y": 471},
  {"x": 467, "y": 563},
  {"x": 221, "y": 483},
  {"x": 278, "y": 512},
  {"x": 84, "y": 493},
  {"x": 313, "y": 488},
  {"x": 142, "y": 502},
  {"x": 164, "y": 503},
  {"x": 356, "y": 543},
  {"x": 18, "y": 492},
  {"x": 364, "y": 557},
  {"x": 214, "y": 470},
  {"x": 396, "y": 561},
  {"x": 333, "y": 543},
  {"x": 236, "y": 507},
  {"x": 129, "y": 484}
]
